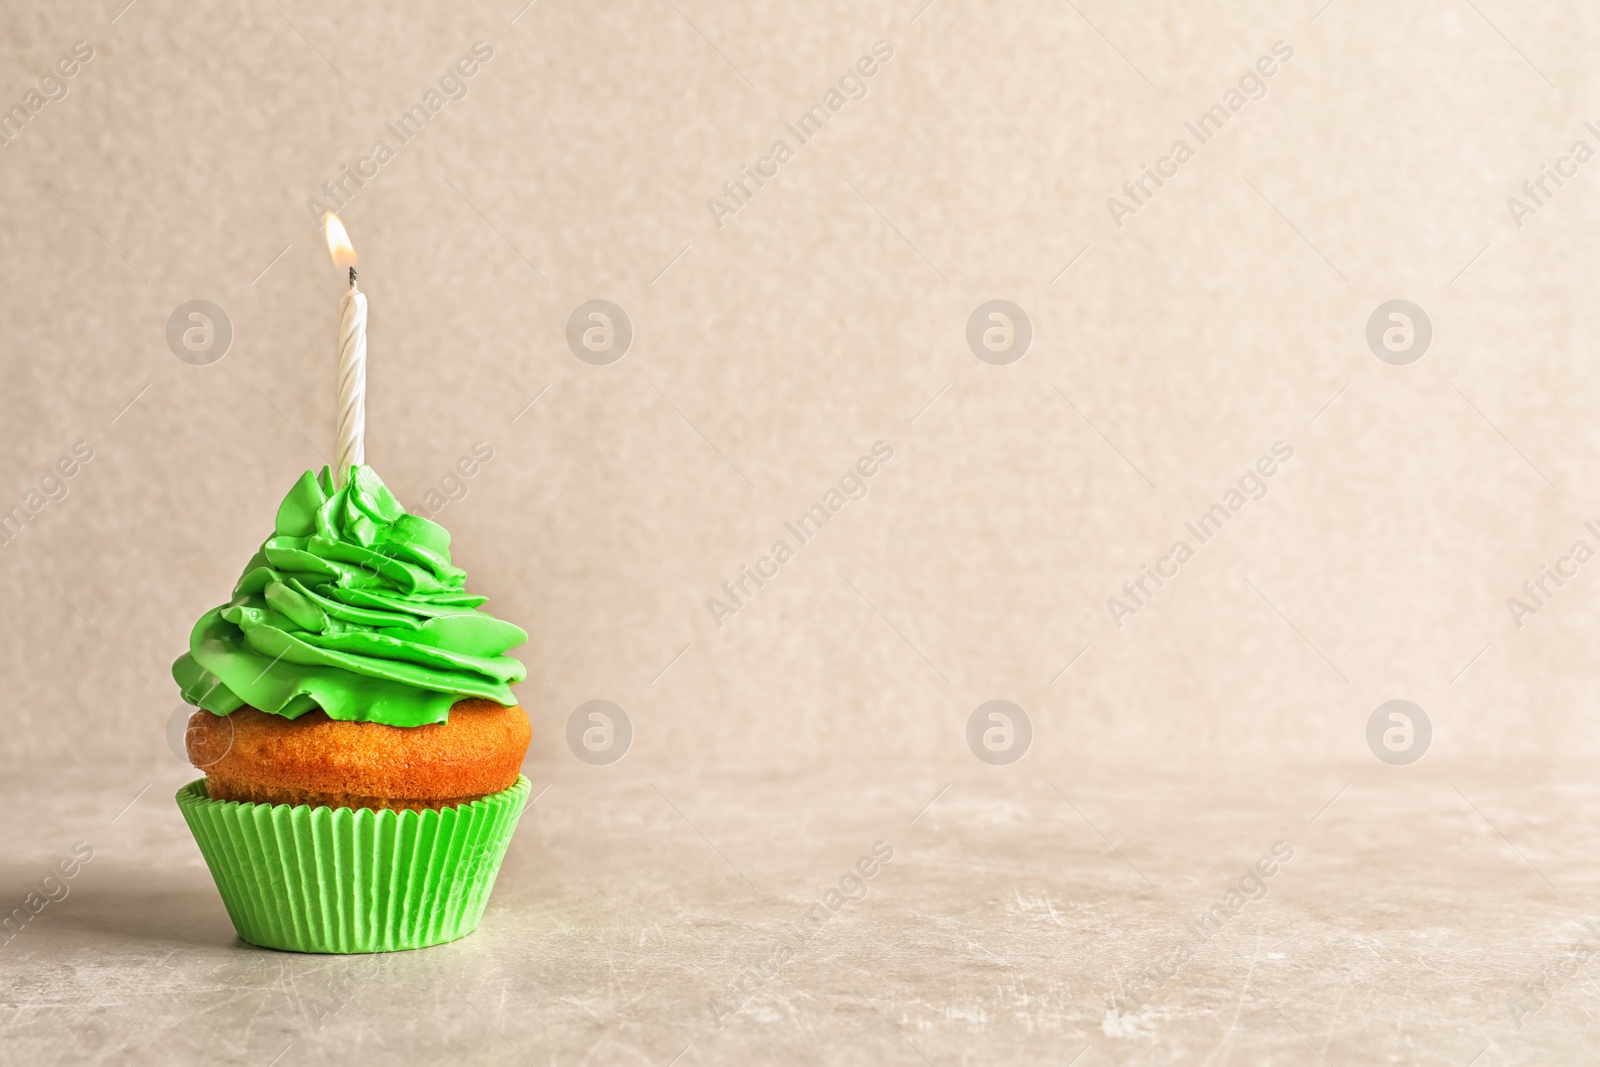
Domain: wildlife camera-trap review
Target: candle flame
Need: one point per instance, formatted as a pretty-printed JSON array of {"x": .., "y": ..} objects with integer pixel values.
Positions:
[{"x": 339, "y": 246}]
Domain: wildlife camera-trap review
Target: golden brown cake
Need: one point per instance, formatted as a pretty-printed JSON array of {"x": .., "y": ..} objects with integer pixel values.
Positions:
[{"x": 255, "y": 757}]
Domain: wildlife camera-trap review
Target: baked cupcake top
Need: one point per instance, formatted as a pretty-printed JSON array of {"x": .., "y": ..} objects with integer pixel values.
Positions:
[{"x": 351, "y": 606}]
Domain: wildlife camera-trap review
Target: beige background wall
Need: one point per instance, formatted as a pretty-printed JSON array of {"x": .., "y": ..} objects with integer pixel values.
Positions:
[{"x": 823, "y": 317}]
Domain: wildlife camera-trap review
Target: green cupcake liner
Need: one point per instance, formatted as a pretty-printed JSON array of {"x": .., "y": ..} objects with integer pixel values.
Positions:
[{"x": 318, "y": 879}]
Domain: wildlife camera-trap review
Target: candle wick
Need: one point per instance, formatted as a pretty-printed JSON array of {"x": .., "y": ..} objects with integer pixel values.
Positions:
[{"x": 352, "y": 277}]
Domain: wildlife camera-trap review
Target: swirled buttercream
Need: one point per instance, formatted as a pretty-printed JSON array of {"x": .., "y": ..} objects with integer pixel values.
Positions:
[{"x": 351, "y": 606}]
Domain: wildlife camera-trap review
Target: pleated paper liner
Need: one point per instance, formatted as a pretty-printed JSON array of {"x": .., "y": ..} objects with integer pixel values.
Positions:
[{"x": 318, "y": 879}]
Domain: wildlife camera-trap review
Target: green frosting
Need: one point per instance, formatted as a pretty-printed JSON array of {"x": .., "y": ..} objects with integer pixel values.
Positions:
[{"x": 351, "y": 606}]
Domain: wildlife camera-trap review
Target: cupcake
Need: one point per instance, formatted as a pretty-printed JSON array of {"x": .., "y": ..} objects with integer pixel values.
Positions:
[{"x": 354, "y": 719}]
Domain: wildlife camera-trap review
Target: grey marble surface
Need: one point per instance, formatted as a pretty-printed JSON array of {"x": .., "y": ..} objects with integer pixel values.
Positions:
[{"x": 1010, "y": 926}]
